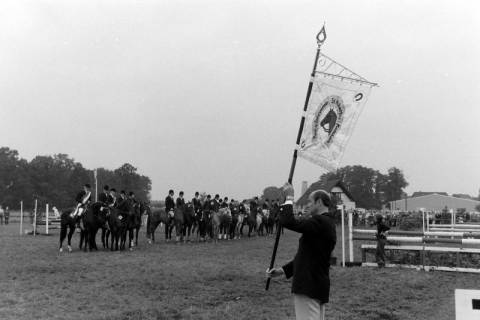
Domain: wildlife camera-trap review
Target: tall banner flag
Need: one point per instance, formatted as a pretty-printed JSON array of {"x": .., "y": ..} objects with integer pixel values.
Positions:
[
  {"x": 336, "y": 101},
  {"x": 335, "y": 98}
]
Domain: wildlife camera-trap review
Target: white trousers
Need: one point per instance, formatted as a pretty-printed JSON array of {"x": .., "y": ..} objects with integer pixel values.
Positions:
[{"x": 307, "y": 308}]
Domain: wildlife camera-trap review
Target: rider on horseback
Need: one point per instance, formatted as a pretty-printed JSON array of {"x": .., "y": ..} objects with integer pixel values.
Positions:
[
  {"x": 180, "y": 201},
  {"x": 103, "y": 197},
  {"x": 169, "y": 203},
  {"x": 83, "y": 199}
]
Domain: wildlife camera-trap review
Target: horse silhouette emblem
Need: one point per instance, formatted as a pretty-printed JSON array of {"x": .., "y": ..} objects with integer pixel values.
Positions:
[{"x": 328, "y": 119}]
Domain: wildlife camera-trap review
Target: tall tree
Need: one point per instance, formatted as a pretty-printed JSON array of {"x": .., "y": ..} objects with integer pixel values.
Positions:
[
  {"x": 272, "y": 193},
  {"x": 394, "y": 184},
  {"x": 14, "y": 179},
  {"x": 368, "y": 186}
]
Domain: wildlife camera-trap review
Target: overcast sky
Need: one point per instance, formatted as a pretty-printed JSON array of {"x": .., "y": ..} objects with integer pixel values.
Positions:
[{"x": 207, "y": 95}]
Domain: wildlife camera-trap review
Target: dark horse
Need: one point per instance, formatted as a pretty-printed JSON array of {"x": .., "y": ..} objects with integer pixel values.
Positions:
[
  {"x": 188, "y": 221},
  {"x": 70, "y": 223},
  {"x": 252, "y": 222},
  {"x": 134, "y": 222},
  {"x": 179, "y": 220},
  {"x": 118, "y": 226},
  {"x": 94, "y": 218},
  {"x": 154, "y": 218}
]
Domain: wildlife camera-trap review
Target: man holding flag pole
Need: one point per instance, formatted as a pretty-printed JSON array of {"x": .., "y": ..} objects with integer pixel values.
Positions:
[{"x": 335, "y": 98}]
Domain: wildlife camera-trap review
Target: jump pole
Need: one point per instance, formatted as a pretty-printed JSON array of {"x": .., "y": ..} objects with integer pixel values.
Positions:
[
  {"x": 320, "y": 41},
  {"x": 21, "y": 217}
]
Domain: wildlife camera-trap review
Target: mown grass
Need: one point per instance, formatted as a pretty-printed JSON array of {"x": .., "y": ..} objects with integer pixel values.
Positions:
[{"x": 200, "y": 281}]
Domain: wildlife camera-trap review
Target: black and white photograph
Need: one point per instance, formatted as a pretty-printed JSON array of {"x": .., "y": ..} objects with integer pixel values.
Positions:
[{"x": 228, "y": 159}]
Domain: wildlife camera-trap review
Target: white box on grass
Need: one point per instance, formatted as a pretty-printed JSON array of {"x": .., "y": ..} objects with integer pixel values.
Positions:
[{"x": 467, "y": 304}]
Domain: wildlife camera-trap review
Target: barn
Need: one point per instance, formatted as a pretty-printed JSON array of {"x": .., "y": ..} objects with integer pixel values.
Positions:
[{"x": 434, "y": 202}]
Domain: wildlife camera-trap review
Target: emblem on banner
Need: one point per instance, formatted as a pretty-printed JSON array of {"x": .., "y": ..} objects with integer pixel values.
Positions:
[{"x": 328, "y": 119}]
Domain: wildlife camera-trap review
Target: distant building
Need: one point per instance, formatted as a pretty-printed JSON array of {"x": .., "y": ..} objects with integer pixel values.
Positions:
[
  {"x": 433, "y": 202},
  {"x": 422, "y": 193},
  {"x": 337, "y": 190}
]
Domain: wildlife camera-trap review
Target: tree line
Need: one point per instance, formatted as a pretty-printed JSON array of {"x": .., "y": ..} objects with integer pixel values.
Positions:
[
  {"x": 370, "y": 188},
  {"x": 57, "y": 179}
]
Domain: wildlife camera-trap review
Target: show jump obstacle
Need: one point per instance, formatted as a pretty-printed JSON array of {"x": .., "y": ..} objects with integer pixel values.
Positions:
[{"x": 456, "y": 239}]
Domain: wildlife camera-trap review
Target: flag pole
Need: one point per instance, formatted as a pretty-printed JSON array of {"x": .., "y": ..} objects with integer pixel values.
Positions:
[{"x": 321, "y": 37}]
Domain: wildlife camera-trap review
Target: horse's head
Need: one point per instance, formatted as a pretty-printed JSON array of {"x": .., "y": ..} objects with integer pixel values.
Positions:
[{"x": 330, "y": 120}]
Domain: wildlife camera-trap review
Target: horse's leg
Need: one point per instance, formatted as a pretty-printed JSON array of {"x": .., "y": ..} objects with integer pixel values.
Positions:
[
  {"x": 63, "y": 234},
  {"x": 71, "y": 231},
  {"x": 130, "y": 238},
  {"x": 85, "y": 240},
  {"x": 103, "y": 238},
  {"x": 136, "y": 236},
  {"x": 117, "y": 239},
  {"x": 168, "y": 232},
  {"x": 112, "y": 240},
  {"x": 107, "y": 236}
]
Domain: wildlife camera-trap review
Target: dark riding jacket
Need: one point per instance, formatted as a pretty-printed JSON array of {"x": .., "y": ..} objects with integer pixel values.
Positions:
[
  {"x": 169, "y": 204},
  {"x": 197, "y": 205},
  {"x": 81, "y": 195},
  {"x": 208, "y": 205},
  {"x": 310, "y": 267}
]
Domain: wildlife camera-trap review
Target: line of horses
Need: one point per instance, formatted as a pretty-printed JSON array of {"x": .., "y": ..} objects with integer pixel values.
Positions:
[{"x": 188, "y": 222}]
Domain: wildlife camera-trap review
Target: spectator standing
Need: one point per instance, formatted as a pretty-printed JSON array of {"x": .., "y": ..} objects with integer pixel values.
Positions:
[{"x": 381, "y": 235}]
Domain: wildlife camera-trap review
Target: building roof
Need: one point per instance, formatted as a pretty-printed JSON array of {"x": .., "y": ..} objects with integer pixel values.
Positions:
[
  {"x": 422, "y": 193},
  {"x": 328, "y": 186},
  {"x": 442, "y": 196}
]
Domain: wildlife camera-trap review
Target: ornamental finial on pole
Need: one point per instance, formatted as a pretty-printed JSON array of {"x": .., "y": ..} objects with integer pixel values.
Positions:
[{"x": 321, "y": 36}]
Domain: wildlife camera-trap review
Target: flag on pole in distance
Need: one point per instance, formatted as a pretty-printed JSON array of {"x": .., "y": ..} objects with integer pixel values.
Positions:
[{"x": 337, "y": 100}]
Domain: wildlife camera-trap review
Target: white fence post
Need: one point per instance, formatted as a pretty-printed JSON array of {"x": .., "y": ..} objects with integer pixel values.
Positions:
[
  {"x": 350, "y": 236},
  {"x": 46, "y": 218},
  {"x": 35, "y": 219},
  {"x": 21, "y": 217}
]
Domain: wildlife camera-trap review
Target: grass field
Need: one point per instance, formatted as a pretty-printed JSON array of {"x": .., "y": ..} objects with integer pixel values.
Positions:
[{"x": 200, "y": 281}]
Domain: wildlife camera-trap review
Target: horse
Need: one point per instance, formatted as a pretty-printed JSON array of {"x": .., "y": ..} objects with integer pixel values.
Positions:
[
  {"x": 134, "y": 223},
  {"x": 328, "y": 123},
  {"x": 225, "y": 221},
  {"x": 270, "y": 223},
  {"x": 239, "y": 225},
  {"x": 118, "y": 225},
  {"x": 178, "y": 221},
  {"x": 233, "y": 224},
  {"x": 94, "y": 218},
  {"x": 260, "y": 222},
  {"x": 201, "y": 220},
  {"x": 189, "y": 219},
  {"x": 252, "y": 222},
  {"x": 215, "y": 223},
  {"x": 70, "y": 223},
  {"x": 154, "y": 218}
]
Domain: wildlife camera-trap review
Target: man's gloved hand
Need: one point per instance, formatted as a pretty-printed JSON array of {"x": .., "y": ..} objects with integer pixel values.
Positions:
[{"x": 274, "y": 272}]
